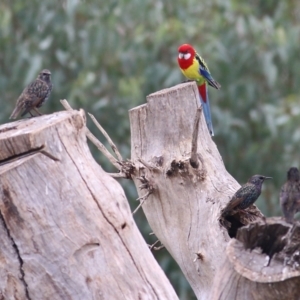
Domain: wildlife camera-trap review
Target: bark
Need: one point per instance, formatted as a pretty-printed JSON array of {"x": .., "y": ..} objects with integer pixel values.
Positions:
[{"x": 66, "y": 230}]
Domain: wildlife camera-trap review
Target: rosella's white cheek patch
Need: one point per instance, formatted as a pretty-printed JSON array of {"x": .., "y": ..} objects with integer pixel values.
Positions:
[
  {"x": 180, "y": 55},
  {"x": 187, "y": 55}
]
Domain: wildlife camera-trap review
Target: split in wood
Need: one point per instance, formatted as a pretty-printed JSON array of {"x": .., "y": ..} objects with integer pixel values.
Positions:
[
  {"x": 41, "y": 149},
  {"x": 48, "y": 154},
  {"x": 194, "y": 157}
]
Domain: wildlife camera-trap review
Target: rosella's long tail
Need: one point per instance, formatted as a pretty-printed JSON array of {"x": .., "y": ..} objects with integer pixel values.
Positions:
[{"x": 206, "y": 107}]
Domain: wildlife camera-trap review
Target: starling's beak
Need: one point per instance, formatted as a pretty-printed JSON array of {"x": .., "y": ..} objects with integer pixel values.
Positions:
[{"x": 268, "y": 177}]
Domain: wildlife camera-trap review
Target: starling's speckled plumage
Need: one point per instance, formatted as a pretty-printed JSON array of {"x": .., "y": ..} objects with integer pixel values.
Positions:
[
  {"x": 290, "y": 195},
  {"x": 247, "y": 194},
  {"x": 34, "y": 95}
]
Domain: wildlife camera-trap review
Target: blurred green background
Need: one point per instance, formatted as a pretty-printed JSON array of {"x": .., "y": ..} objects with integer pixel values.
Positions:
[{"x": 106, "y": 56}]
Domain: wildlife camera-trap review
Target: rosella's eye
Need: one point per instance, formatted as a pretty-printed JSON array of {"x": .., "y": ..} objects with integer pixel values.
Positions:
[
  {"x": 187, "y": 55},
  {"x": 180, "y": 55}
]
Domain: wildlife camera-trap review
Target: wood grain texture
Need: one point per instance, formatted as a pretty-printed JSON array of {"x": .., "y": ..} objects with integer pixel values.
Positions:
[
  {"x": 248, "y": 273},
  {"x": 66, "y": 229},
  {"x": 184, "y": 206}
]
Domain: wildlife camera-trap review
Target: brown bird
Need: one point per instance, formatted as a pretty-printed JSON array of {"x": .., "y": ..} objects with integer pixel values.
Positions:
[
  {"x": 290, "y": 195},
  {"x": 34, "y": 95}
]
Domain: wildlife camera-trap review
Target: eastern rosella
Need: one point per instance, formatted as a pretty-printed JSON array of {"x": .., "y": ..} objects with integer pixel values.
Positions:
[{"x": 193, "y": 67}]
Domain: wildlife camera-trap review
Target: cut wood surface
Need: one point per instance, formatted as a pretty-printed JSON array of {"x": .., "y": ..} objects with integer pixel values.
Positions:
[
  {"x": 262, "y": 263},
  {"x": 66, "y": 230}
]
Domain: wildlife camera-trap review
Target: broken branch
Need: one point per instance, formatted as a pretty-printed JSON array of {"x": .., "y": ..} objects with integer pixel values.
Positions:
[
  {"x": 94, "y": 140},
  {"x": 143, "y": 199},
  {"x": 111, "y": 143},
  {"x": 194, "y": 157}
]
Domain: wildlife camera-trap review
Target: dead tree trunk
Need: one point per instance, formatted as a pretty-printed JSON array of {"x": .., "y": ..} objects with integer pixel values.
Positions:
[
  {"x": 184, "y": 204},
  {"x": 66, "y": 230},
  {"x": 182, "y": 181},
  {"x": 262, "y": 263}
]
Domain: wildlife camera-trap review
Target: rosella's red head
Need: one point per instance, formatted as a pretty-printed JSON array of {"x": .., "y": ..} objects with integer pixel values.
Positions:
[{"x": 186, "y": 54}]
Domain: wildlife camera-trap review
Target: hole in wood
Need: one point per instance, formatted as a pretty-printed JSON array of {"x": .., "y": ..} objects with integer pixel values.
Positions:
[
  {"x": 270, "y": 242},
  {"x": 239, "y": 218}
]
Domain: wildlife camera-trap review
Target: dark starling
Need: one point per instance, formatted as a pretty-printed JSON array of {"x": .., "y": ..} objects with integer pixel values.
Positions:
[
  {"x": 246, "y": 195},
  {"x": 290, "y": 195},
  {"x": 34, "y": 95}
]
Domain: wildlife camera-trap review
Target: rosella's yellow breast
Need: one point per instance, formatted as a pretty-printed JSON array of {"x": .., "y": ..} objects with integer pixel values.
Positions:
[{"x": 192, "y": 73}]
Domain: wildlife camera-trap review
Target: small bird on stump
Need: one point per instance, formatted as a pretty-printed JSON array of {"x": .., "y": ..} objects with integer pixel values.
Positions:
[
  {"x": 34, "y": 95},
  {"x": 290, "y": 195},
  {"x": 246, "y": 195}
]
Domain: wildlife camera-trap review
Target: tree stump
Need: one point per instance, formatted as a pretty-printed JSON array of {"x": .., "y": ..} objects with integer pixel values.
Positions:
[
  {"x": 263, "y": 262},
  {"x": 184, "y": 188},
  {"x": 184, "y": 203},
  {"x": 66, "y": 230}
]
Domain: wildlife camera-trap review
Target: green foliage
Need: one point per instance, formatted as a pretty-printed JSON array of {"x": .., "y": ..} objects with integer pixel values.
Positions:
[{"x": 107, "y": 56}]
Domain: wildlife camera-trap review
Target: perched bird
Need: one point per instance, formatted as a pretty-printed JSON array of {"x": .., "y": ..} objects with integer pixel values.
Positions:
[
  {"x": 290, "y": 195},
  {"x": 34, "y": 95},
  {"x": 193, "y": 67},
  {"x": 246, "y": 195}
]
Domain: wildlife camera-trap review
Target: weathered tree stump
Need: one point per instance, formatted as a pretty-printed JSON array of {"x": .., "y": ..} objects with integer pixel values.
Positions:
[
  {"x": 66, "y": 230},
  {"x": 183, "y": 198},
  {"x": 184, "y": 204},
  {"x": 263, "y": 262}
]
